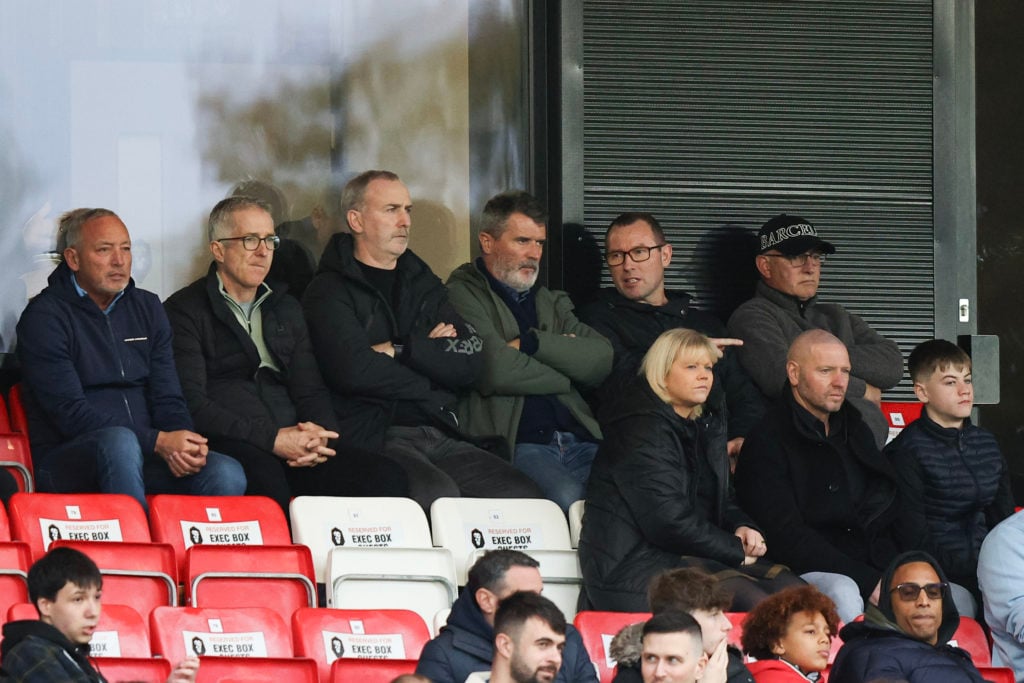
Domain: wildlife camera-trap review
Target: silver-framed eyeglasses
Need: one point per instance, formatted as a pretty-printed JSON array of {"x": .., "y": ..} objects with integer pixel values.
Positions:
[
  {"x": 800, "y": 260},
  {"x": 252, "y": 242},
  {"x": 908, "y": 592},
  {"x": 636, "y": 254}
]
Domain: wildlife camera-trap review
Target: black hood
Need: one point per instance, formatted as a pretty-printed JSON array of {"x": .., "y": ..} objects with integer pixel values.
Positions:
[{"x": 950, "y": 614}]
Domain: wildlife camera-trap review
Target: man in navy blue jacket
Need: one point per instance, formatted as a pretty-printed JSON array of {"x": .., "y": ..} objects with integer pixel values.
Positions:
[
  {"x": 105, "y": 409},
  {"x": 466, "y": 643}
]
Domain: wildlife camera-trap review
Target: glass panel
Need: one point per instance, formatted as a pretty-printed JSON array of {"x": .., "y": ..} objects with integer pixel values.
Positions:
[{"x": 159, "y": 108}]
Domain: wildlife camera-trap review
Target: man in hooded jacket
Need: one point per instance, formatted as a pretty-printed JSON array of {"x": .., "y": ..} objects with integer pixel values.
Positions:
[{"x": 907, "y": 636}]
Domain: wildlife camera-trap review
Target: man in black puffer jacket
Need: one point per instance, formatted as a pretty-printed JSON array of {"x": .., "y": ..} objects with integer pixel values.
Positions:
[
  {"x": 249, "y": 375},
  {"x": 906, "y": 637}
]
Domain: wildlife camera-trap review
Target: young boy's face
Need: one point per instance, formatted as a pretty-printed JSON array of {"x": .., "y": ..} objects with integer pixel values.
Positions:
[
  {"x": 948, "y": 395},
  {"x": 74, "y": 612}
]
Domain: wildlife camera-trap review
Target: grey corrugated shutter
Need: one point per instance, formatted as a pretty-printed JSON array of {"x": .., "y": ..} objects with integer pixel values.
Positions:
[{"x": 718, "y": 114}]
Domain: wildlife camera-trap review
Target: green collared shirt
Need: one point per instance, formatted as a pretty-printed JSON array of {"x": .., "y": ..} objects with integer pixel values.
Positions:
[{"x": 250, "y": 317}]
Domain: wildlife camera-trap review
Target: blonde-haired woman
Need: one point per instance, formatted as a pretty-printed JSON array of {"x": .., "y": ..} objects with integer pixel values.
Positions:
[{"x": 659, "y": 495}]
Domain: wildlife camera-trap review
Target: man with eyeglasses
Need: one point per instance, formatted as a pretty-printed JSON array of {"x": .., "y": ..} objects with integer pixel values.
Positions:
[
  {"x": 104, "y": 405},
  {"x": 907, "y": 636},
  {"x": 639, "y": 308},
  {"x": 249, "y": 375},
  {"x": 785, "y": 304}
]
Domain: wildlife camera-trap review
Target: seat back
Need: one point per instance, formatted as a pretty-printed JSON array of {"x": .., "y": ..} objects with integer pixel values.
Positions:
[
  {"x": 971, "y": 637},
  {"x": 16, "y": 410},
  {"x": 179, "y": 632},
  {"x": 576, "y": 522},
  {"x": 370, "y": 670},
  {"x": 140, "y": 575},
  {"x": 40, "y": 518},
  {"x": 16, "y": 458},
  {"x": 184, "y": 521},
  {"x": 997, "y": 674},
  {"x": 257, "y": 670},
  {"x": 597, "y": 630},
  {"x": 466, "y": 525},
  {"x": 899, "y": 415},
  {"x": 563, "y": 578},
  {"x": 121, "y": 631},
  {"x": 279, "y": 577},
  {"x": 148, "y": 669},
  {"x": 328, "y": 634},
  {"x": 418, "y": 579},
  {"x": 735, "y": 636},
  {"x": 5, "y": 419},
  {"x": 15, "y": 559},
  {"x": 324, "y": 523}
]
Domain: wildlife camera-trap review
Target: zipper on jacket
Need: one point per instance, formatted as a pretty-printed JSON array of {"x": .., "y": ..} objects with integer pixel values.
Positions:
[{"x": 120, "y": 365}]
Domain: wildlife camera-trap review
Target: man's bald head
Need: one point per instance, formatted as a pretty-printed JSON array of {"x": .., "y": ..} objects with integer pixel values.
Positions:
[
  {"x": 818, "y": 368},
  {"x": 802, "y": 345}
]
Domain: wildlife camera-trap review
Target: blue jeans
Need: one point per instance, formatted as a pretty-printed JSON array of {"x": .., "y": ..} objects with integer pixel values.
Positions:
[
  {"x": 561, "y": 468},
  {"x": 110, "y": 460}
]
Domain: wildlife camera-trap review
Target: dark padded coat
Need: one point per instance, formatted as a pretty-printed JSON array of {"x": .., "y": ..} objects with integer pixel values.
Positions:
[
  {"x": 955, "y": 486},
  {"x": 633, "y": 326},
  {"x": 789, "y": 477},
  {"x": 876, "y": 648},
  {"x": 34, "y": 652},
  {"x": 218, "y": 363},
  {"x": 645, "y": 512},
  {"x": 347, "y": 315}
]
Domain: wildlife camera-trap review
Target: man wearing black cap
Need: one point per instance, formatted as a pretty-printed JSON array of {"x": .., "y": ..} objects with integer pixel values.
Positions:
[
  {"x": 785, "y": 304},
  {"x": 907, "y": 636}
]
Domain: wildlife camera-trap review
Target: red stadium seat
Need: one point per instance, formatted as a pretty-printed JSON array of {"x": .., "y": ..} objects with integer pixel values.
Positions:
[
  {"x": 325, "y": 634},
  {"x": 140, "y": 575},
  {"x": 215, "y": 632},
  {"x": 16, "y": 410},
  {"x": 370, "y": 670},
  {"x": 597, "y": 630},
  {"x": 971, "y": 637},
  {"x": 15, "y": 559},
  {"x": 121, "y": 631},
  {"x": 184, "y": 521},
  {"x": 997, "y": 674},
  {"x": 279, "y": 577},
  {"x": 16, "y": 457},
  {"x": 257, "y": 670},
  {"x": 899, "y": 415},
  {"x": 735, "y": 636},
  {"x": 149, "y": 670},
  {"x": 5, "y": 419},
  {"x": 39, "y": 518}
]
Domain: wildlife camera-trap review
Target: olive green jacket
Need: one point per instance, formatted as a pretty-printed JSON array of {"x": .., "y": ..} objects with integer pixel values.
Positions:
[{"x": 570, "y": 356}]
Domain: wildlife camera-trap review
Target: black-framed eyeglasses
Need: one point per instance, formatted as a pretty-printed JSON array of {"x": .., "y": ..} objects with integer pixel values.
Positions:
[
  {"x": 908, "y": 592},
  {"x": 800, "y": 260},
  {"x": 252, "y": 242},
  {"x": 637, "y": 254}
]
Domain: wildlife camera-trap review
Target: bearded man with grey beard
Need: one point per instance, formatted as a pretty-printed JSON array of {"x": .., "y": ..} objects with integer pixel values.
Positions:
[{"x": 537, "y": 354}]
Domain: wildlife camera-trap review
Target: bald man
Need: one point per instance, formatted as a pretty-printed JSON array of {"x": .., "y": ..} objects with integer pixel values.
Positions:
[{"x": 812, "y": 477}]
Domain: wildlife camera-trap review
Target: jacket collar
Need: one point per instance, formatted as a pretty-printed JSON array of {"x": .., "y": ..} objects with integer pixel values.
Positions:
[
  {"x": 470, "y": 630},
  {"x": 64, "y": 287},
  {"x": 15, "y": 632},
  {"x": 339, "y": 257},
  {"x": 678, "y": 302},
  {"x": 786, "y": 301}
]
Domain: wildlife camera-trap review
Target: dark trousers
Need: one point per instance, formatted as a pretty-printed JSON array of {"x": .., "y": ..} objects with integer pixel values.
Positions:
[
  {"x": 440, "y": 466},
  {"x": 349, "y": 473}
]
